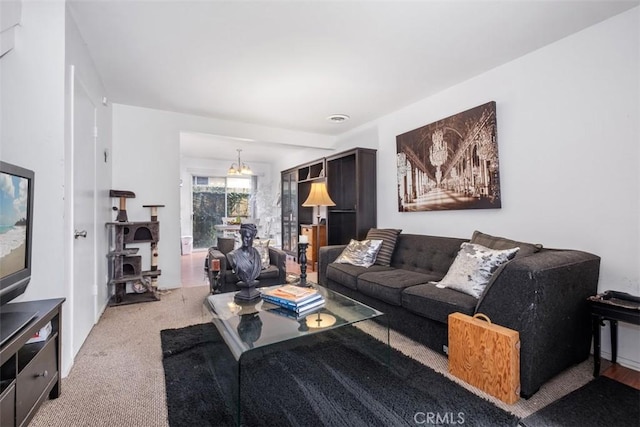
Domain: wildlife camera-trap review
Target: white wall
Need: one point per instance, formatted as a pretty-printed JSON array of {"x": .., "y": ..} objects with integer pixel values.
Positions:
[
  {"x": 32, "y": 136},
  {"x": 568, "y": 133},
  {"x": 33, "y": 127},
  {"x": 32, "y": 84},
  {"x": 146, "y": 160}
]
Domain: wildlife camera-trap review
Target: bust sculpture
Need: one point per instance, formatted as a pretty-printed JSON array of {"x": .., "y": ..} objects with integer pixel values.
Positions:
[
  {"x": 250, "y": 328},
  {"x": 247, "y": 264}
]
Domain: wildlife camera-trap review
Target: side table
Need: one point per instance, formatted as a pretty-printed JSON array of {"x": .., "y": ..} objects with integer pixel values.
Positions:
[{"x": 615, "y": 307}]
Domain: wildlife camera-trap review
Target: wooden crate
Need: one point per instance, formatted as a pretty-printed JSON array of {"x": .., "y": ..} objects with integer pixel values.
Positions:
[{"x": 485, "y": 355}]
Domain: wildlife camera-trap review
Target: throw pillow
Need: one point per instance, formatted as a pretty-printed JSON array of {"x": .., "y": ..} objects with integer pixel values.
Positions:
[
  {"x": 231, "y": 260},
  {"x": 361, "y": 253},
  {"x": 226, "y": 244},
  {"x": 473, "y": 267},
  {"x": 494, "y": 242},
  {"x": 389, "y": 237},
  {"x": 262, "y": 245}
]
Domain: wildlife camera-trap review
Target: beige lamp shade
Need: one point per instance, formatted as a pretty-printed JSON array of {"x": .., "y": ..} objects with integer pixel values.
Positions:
[{"x": 318, "y": 196}]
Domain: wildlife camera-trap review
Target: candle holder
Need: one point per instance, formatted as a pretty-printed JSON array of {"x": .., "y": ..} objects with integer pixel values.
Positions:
[
  {"x": 302, "y": 256},
  {"x": 215, "y": 273},
  {"x": 213, "y": 285}
]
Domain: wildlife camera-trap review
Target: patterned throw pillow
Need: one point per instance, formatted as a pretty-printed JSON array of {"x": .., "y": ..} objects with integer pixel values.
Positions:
[
  {"x": 389, "y": 236},
  {"x": 361, "y": 253},
  {"x": 473, "y": 267},
  {"x": 494, "y": 242},
  {"x": 262, "y": 245}
]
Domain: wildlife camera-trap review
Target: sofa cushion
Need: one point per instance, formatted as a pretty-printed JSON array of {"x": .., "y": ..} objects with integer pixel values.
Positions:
[
  {"x": 262, "y": 246},
  {"x": 435, "y": 303},
  {"x": 388, "y": 285},
  {"x": 495, "y": 242},
  {"x": 271, "y": 272},
  {"x": 473, "y": 268},
  {"x": 361, "y": 253},
  {"x": 347, "y": 274},
  {"x": 425, "y": 254},
  {"x": 389, "y": 236}
]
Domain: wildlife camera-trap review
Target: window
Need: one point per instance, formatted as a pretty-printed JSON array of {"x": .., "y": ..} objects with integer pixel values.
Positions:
[{"x": 218, "y": 197}]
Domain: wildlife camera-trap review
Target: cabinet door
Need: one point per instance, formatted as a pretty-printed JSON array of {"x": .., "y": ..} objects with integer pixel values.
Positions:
[
  {"x": 351, "y": 181},
  {"x": 36, "y": 378},
  {"x": 8, "y": 407},
  {"x": 289, "y": 202}
]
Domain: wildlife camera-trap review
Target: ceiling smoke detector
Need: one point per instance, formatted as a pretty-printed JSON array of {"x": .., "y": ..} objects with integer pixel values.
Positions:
[{"x": 338, "y": 118}]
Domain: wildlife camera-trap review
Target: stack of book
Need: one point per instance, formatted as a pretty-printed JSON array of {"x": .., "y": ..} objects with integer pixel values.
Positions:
[{"x": 294, "y": 298}]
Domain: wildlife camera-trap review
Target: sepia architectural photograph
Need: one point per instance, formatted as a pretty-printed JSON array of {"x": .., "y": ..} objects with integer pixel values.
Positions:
[{"x": 450, "y": 164}]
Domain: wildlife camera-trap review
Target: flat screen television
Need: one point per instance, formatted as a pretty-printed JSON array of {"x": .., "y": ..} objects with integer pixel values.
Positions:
[{"x": 16, "y": 225}]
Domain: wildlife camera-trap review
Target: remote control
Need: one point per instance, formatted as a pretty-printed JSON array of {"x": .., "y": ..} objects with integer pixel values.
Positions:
[{"x": 621, "y": 295}]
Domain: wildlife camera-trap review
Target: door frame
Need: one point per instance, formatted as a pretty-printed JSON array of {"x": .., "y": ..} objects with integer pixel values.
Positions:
[{"x": 70, "y": 196}]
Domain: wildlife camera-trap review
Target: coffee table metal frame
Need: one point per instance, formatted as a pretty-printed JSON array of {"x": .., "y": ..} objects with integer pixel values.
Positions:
[{"x": 260, "y": 325}]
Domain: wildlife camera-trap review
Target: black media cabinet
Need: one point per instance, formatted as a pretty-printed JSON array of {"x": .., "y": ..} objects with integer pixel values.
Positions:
[{"x": 30, "y": 372}]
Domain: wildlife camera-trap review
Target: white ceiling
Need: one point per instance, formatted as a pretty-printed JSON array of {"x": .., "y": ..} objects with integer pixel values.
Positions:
[
  {"x": 290, "y": 64},
  {"x": 220, "y": 147}
]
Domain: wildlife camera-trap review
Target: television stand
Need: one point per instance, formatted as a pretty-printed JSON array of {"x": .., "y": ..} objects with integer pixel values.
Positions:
[
  {"x": 12, "y": 321},
  {"x": 30, "y": 372}
]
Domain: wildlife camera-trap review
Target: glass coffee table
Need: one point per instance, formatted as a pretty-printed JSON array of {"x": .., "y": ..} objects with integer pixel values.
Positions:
[{"x": 249, "y": 329}]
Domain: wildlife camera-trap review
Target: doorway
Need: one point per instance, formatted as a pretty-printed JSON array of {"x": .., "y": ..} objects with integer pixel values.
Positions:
[{"x": 215, "y": 199}]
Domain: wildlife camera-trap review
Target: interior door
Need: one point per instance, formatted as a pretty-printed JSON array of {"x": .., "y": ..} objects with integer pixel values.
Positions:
[{"x": 84, "y": 249}]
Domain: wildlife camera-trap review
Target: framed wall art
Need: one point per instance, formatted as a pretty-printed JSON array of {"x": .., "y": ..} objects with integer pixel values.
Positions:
[{"x": 450, "y": 164}]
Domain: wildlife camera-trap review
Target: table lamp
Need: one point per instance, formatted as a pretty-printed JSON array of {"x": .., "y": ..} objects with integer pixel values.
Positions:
[{"x": 318, "y": 196}]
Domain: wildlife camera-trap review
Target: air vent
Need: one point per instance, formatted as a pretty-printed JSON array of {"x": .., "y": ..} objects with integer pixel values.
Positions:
[{"x": 338, "y": 118}]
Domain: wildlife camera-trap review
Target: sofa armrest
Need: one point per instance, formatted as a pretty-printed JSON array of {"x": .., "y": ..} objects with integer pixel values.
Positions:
[
  {"x": 543, "y": 296},
  {"x": 327, "y": 255},
  {"x": 214, "y": 253},
  {"x": 278, "y": 258}
]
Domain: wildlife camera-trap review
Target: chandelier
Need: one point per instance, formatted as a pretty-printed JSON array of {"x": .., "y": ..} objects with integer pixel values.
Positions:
[
  {"x": 438, "y": 152},
  {"x": 239, "y": 168}
]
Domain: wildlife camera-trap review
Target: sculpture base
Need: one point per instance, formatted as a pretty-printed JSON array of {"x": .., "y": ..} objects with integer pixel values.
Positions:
[{"x": 248, "y": 292}]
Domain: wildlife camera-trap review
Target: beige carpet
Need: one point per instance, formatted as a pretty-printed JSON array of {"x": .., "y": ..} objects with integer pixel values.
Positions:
[{"x": 118, "y": 379}]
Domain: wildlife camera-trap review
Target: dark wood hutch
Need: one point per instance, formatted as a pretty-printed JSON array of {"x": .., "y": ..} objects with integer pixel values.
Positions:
[{"x": 351, "y": 182}]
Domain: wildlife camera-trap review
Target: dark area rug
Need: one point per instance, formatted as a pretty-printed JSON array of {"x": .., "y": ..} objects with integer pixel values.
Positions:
[
  {"x": 334, "y": 379},
  {"x": 601, "y": 402}
]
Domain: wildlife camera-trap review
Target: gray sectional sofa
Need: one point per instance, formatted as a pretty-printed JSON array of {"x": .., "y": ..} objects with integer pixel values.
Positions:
[{"x": 541, "y": 293}]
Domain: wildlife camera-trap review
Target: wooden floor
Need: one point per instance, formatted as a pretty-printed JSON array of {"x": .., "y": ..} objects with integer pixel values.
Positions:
[
  {"x": 193, "y": 269},
  {"x": 624, "y": 375},
  {"x": 193, "y": 275}
]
